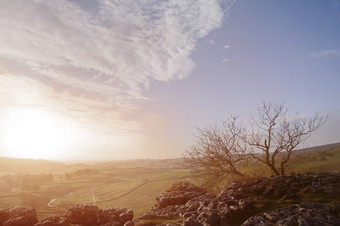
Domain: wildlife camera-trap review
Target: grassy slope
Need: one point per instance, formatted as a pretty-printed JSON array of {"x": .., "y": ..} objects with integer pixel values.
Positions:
[
  {"x": 324, "y": 158},
  {"x": 134, "y": 188},
  {"x": 321, "y": 159}
]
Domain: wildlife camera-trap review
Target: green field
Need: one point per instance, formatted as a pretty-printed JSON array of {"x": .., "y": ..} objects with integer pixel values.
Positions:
[
  {"x": 53, "y": 189},
  {"x": 134, "y": 188},
  {"x": 324, "y": 158}
]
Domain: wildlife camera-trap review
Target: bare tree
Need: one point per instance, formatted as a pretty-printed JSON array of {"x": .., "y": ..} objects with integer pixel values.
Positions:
[
  {"x": 218, "y": 153},
  {"x": 275, "y": 135}
]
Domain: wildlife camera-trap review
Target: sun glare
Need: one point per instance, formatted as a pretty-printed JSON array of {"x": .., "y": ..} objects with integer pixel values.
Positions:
[{"x": 35, "y": 134}]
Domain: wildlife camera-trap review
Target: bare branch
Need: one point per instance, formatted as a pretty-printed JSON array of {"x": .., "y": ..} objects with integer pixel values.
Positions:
[
  {"x": 278, "y": 135},
  {"x": 219, "y": 152}
]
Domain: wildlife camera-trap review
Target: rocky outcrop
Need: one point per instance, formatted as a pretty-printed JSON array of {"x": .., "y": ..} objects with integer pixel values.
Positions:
[
  {"x": 53, "y": 221},
  {"x": 90, "y": 215},
  {"x": 178, "y": 194},
  {"x": 245, "y": 202},
  {"x": 292, "y": 187},
  {"x": 18, "y": 216},
  {"x": 309, "y": 214},
  {"x": 203, "y": 209}
]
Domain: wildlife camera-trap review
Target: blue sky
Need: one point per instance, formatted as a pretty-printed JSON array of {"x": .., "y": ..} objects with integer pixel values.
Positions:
[
  {"x": 277, "y": 50},
  {"x": 135, "y": 79}
]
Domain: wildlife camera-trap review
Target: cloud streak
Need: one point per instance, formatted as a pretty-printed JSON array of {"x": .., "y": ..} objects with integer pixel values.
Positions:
[
  {"x": 114, "y": 49},
  {"x": 326, "y": 52},
  {"x": 225, "y": 60}
]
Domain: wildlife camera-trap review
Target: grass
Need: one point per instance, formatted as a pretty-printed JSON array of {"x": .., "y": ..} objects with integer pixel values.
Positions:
[
  {"x": 319, "y": 159},
  {"x": 135, "y": 188},
  {"x": 121, "y": 188}
]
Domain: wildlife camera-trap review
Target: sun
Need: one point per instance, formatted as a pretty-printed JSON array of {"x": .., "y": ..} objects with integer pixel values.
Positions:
[{"x": 35, "y": 134}]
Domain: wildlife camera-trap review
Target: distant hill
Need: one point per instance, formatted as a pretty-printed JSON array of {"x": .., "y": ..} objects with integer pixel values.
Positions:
[
  {"x": 324, "y": 158},
  {"x": 16, "y": 165},
  {"x": 315, "y": 157},
  {"x": 142, "y": 163},
  {"x": 326, "y": 147}
]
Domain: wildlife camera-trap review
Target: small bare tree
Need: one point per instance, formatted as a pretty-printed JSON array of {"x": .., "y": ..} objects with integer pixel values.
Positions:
[
  {"x": 218, "y": 153},
  {"x": 275, "y": 135},
  {"x": 221, "y": 151}
]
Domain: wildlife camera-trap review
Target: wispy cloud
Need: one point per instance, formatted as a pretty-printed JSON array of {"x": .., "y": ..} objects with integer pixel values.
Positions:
[
  {"x": 325, "y": 52},
  {"x": 211, "y": 41},
  {"x": 225, "y": 60},
  {"x": 115, "y": 49},
  {"x": 99, "y": 55},
  {"x": 226, "y": 46}
]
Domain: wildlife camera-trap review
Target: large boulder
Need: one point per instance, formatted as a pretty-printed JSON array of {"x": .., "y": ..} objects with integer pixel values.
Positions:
[
  {"x": 18, "y": 216},
  {"x": 53, "y": 221},
  {"x": 178, "y": 194},
  {"x": 196, "y": 206},
  {"x": 91, "y": 215}
]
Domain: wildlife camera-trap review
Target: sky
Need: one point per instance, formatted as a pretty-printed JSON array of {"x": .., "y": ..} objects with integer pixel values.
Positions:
[{"x": 107, "y": 80}]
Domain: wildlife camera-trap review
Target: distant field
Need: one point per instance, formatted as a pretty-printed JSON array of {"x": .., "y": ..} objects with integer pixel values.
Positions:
[
  {"x": 38, "y": 183},
  {"x": 320, "y": 159},
  {"x": 324, "y": 158},
  {"x": 14, "y": 165},
  {"x": 134, "y": 188}
]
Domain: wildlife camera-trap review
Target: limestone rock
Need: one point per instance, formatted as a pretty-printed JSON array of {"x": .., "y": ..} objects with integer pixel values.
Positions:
[
  {"x": 53, "y": 221},
  {"x": 239, "y": 201},
  {"x": 18, "y": 216},
  {"x": 91, "y": 215},
  {"x": 308, "y": 214}
]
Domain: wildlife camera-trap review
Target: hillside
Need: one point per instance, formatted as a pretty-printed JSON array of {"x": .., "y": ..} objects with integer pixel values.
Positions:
[
  {"x": 15, "y": 165},
  {"x": 51, "y": 187},
  {"x": 36, "y": 166},
  {"x": 141, "y": 163},
  {"x": 52, "y": 193},
  {"x": 315, "y": 155},
  {"x": 291, "y": 200}
]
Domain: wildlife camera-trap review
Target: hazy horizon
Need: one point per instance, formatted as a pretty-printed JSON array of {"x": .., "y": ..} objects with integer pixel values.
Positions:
[{"x": 116, "y": 80}]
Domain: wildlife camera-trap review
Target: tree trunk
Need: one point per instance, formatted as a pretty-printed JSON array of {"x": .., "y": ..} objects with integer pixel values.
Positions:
[
  {"x": 274, "y": 170},
  {"x": 282, "y": 171}
]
